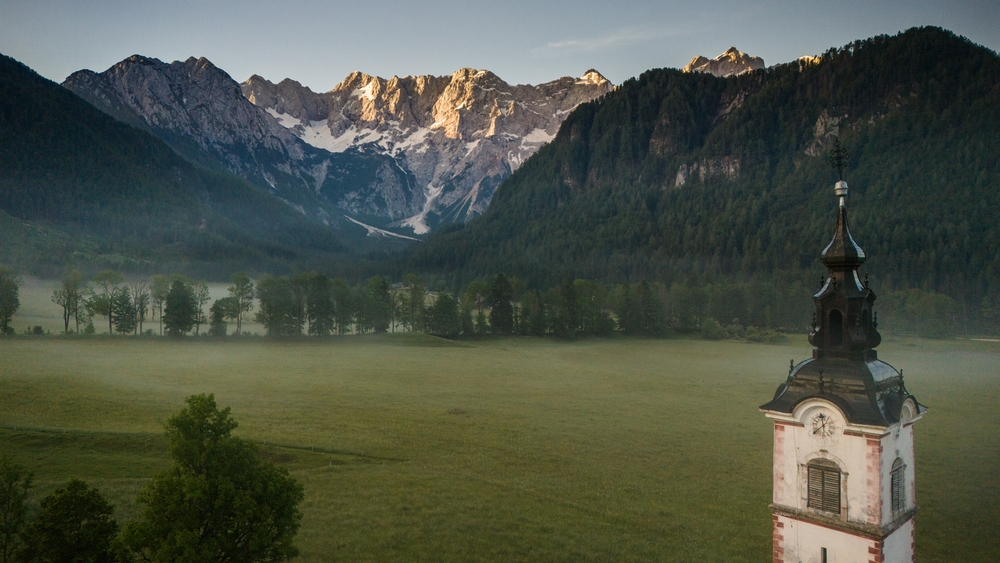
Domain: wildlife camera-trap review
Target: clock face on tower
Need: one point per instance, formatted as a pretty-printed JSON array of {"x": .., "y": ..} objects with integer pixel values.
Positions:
[{"x": 824, "y": 428}]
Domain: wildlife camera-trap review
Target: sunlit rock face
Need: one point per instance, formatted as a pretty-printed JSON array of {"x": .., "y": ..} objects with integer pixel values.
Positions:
[
  {"x": 730, "y": 63},
  {"x": 459, "y": 135},
  {"x": 193, "y": 99},
  {"x": 202, "y": 113},
  {"x": 410, "y": 153}
]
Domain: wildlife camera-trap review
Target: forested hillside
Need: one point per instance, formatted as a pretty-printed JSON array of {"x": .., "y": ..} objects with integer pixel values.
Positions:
[
  {"x": 688, "y": 177},
  {"x": 78, "y": 187}
]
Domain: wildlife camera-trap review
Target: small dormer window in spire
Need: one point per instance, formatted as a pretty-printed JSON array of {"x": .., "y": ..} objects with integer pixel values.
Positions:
[{"x": 836, "y": 328}]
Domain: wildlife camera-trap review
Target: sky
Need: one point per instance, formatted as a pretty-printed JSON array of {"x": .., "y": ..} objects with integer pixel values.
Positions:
[{"x": 523, "y": 41}]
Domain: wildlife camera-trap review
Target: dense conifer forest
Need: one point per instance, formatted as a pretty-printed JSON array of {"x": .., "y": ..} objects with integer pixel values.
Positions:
[{"x": 691, "y": 178}]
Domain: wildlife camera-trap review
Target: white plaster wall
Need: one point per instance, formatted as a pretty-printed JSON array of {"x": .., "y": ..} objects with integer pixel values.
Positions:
[
  {"x": 803, "y": 542},
  {"x": 794, "y": 448},
  {"x": 898, "y": 547},
  {"x": 899, "y": 443}
]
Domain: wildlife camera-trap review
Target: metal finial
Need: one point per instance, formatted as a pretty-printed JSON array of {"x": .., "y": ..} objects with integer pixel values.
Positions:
[
  {"x": 866, "y": 281},
  {"x": 821, "y": 281},
  {"x": 791, "y": 366},
  {"x": 875, "y": 321},
  {"x": 838, "y": 158},
  {"x": 821, "y": 382}
]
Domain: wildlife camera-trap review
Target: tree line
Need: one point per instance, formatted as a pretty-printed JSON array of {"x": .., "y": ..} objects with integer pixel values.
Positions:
[{"x": 314, "y": 304}]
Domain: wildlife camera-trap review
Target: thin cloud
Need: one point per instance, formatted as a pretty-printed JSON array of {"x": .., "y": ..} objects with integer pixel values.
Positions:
[{"x": 623, "y": 37}]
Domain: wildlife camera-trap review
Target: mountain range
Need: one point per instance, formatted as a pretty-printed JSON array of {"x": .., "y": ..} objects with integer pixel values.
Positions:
[
  {"x": 670, "y": 176},
  {"x": 680, "y": 176},
  {"x": 391, "y": 156},
  {"x": 80, "y": 188}
]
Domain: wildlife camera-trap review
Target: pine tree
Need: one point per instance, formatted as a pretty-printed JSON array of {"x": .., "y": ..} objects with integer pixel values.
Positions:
[{"x": 181, "y": 308}]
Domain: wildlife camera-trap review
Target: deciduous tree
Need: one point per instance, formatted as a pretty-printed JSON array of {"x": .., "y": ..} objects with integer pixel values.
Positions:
[
  {"x": 103, "y": 304},
  {"x": 219, "y": 501},
  {"x": 159, "y": 287},
  {"x": 217, "y": 314},
  {"x": 15, "y": 482},
  {"x": 501, "y": 310},
  {"x": 320, "y": 305},
  {"x": 201, "y": 297},
  {"x": 344, "y": 306},
  {"x": 277, "y": 305},
  {"x": 444, "y": 316},
  {"x": 242, "y": 293},
  {"x": 380, "y": 299},
  {"x": 75, "y": 525},
  {"x": 9, "y": 300},
  {"x": 70, "y": 296},
  {"x": 413, "y": 310}
]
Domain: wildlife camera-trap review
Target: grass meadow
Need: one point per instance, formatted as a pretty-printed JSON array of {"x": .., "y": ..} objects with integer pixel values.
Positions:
[{"x": 413, "y": 448}]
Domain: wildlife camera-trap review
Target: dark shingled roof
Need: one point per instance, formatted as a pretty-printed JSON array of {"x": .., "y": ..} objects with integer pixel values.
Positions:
[{"x": 870, "y": 393}]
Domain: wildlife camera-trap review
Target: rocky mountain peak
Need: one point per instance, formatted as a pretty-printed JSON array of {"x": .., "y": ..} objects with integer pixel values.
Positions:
[
  {"x": 592, "y": 77},
  {"x": 732, "y": 62},
  {"x": 417, "y": 150},
  {"x": 458, "y": 135}
]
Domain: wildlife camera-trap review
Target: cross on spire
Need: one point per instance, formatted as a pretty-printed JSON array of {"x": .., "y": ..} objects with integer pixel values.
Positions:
[{"x": 838, "y": 158}]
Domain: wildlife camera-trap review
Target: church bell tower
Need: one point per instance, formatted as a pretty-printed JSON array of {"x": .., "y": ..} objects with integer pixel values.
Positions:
[{"x": 843, "y": 431}]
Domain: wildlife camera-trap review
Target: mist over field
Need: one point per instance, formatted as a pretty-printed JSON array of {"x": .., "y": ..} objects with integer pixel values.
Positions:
[{"x": 416, "y": 448}]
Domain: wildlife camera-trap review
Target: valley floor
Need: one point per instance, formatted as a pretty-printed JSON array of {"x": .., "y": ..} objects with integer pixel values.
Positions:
[{"x": 413, "y": 448}]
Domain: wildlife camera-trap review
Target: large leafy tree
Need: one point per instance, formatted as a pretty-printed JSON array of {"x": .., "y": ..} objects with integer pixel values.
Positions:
[
  {"x": 103, "y": 302},
  {"x": 181, "y": 310},
  {"x": 9, "y": 301},
  {"x": 320, "y": 306},
  {"x": 159, "y": 287},
  {"x": 70, "y": 296},
  {"x": 219, "y": 502},
  {"x": 413, "y": 301},
  {"x": 217, "y": 315},
  {"x": 75, "y": 525},
  {"x": 277, "y": 305},
  {"x": 299, "y": 284},
  {"x": 242, "y": 293},
  {"x": 201, "y": 298},
  {"x": 444, "y": 316},
  {"x": 379, "y": 299},
  {"x": 15, "y": 482},
  {"x": 344, "y": 305},
  {"x": 501, "y": 310}
]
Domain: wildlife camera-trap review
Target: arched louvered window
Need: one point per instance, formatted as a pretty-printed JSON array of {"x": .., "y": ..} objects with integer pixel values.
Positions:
[
  {"x": 824, "y": 486},
  {"x": 836, "y": 328},
  {"x": 898, "y": 486}
]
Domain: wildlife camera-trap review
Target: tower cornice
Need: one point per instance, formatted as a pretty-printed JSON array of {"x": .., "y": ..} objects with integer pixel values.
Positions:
[{"x": 870, "y": 531}]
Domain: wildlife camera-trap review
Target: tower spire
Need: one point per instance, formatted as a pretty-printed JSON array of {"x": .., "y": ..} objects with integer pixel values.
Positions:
[
  {"x": 844, "y": 305},
  {"x": 832, "y": 418}
]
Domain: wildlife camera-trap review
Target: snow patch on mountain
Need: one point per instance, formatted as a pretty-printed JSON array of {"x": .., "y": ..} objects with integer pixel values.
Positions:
[
  {"x": 377, "y": 232},
  {"x": 463, "y": 134}
]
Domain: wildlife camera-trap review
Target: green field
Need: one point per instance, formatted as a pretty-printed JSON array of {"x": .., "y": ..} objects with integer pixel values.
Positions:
[{"x": 413, "y": 448}]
